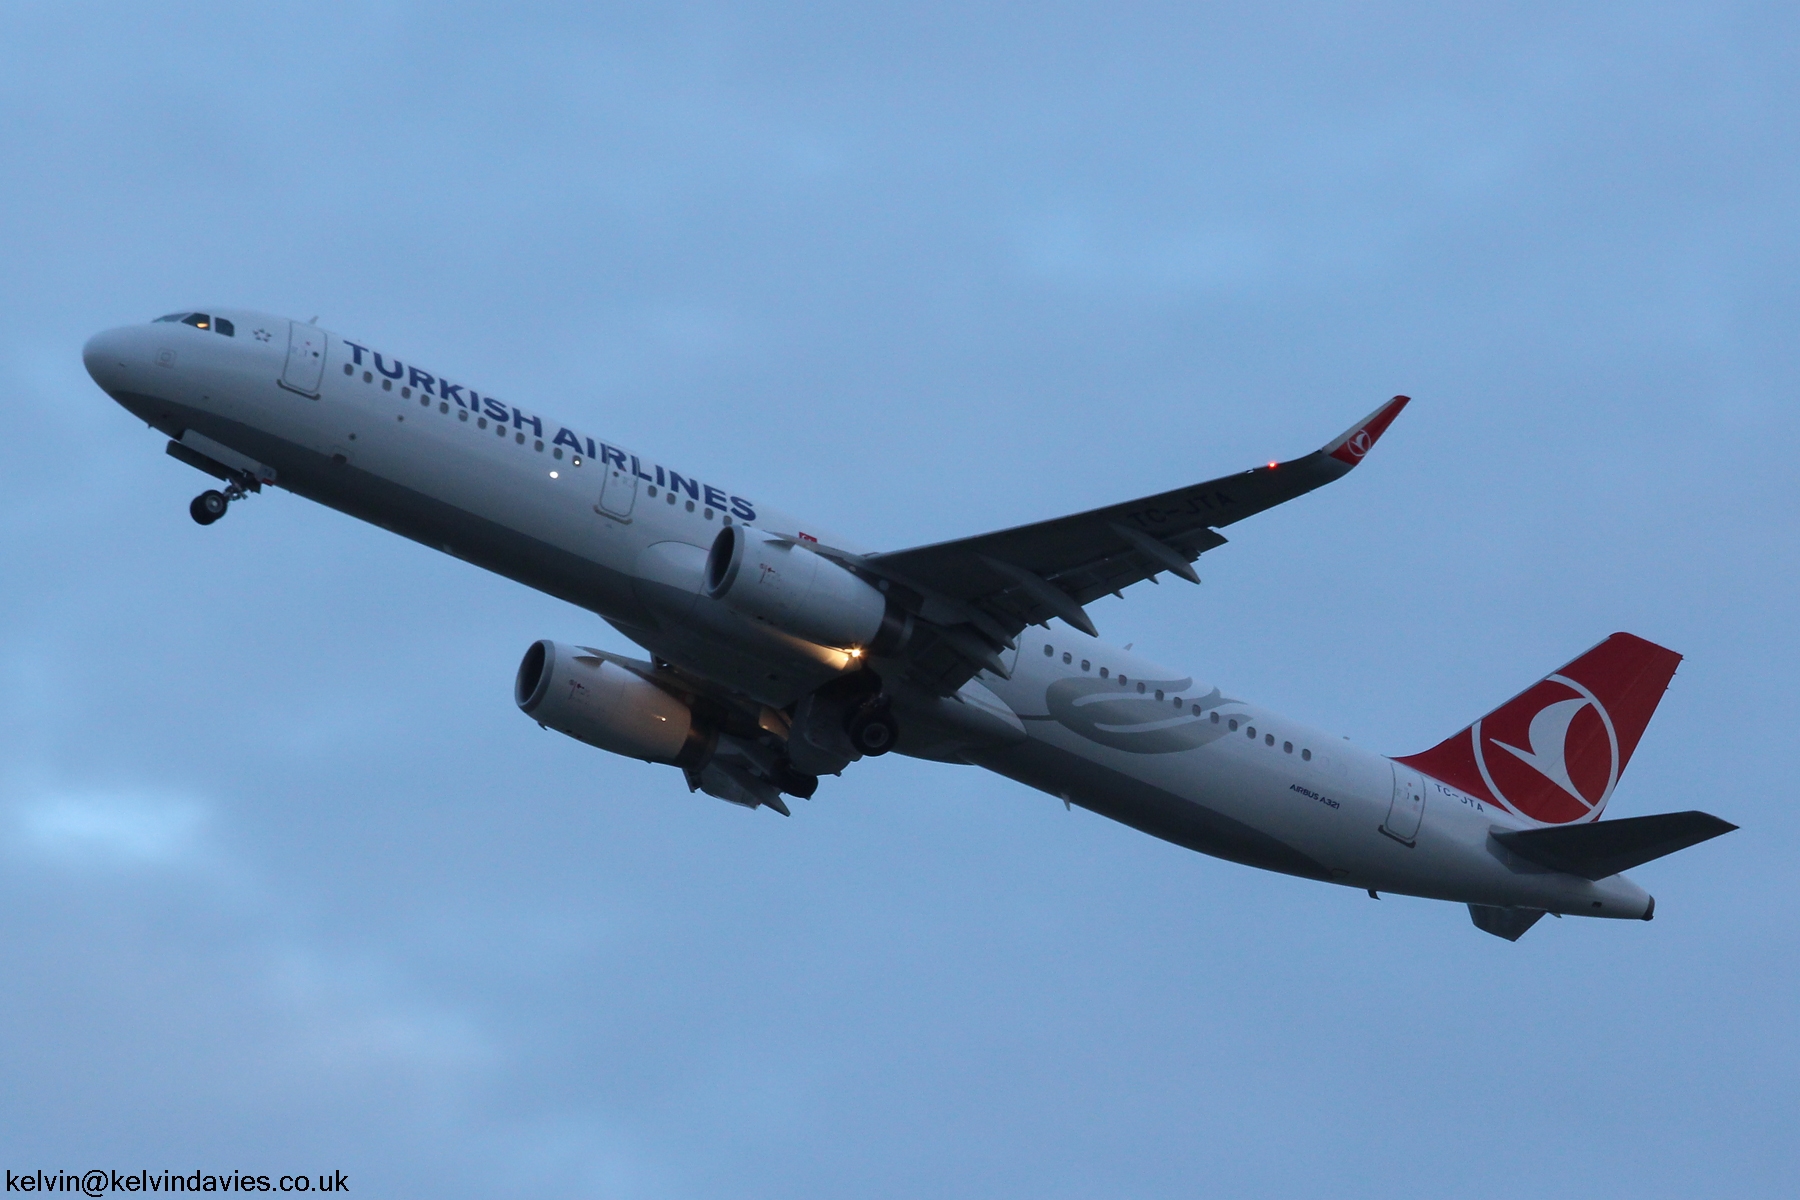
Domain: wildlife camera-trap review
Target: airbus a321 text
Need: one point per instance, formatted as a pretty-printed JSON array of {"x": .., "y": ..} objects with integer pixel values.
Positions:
[{"x": 779, "y": 653}]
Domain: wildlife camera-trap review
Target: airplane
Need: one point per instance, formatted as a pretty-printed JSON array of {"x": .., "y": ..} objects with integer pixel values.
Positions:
[{"x": 780, "y": 652}]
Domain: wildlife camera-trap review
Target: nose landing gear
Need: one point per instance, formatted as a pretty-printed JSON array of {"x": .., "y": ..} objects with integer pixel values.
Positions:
[
  {"x": 240, "y": 480},
  {"x": 209, "y": 506}
]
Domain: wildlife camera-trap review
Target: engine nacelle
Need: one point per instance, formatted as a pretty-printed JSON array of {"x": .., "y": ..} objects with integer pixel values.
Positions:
[
  {"x": 799, "y": 592},
  {"x": 576, "y": 692}
]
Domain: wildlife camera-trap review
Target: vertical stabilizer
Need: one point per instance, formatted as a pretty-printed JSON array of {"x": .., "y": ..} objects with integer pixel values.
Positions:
[{"x": 1554, "y": 752}]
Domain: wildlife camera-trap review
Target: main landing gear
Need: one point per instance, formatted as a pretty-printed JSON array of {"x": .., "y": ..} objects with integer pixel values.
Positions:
[
  {"x": 209, "y": 506},
  {"x": 873, "y": 729}
]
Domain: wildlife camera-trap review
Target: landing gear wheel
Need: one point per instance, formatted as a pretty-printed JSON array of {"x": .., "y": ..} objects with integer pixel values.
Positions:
[
  {"x": 208, "y": 507},
  {"x": 873, "y": 731}
]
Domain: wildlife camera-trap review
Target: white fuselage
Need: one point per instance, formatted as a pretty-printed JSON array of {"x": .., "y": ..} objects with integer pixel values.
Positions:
[{"x": 625, "y": 536}]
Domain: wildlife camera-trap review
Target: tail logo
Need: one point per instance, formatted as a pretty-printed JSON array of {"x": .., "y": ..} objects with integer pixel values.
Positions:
[
  {"x": 1360, "y": 443},
  {"x": 1552, "y": 754}
]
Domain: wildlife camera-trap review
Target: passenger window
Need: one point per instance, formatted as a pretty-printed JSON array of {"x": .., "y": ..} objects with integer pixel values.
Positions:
[
  {"x": 669, "y": 496},
  {"x": 1159, "y": 695},
  {"x": 539, "y": 447},
  {"x": 349, "y": 370},
  {"x": 652, "y": 491},
  {"x": 406, "y": 393},
  {"x": 1067, "y": 657},
  {"x": 462, "y": 414},
  {"x": 443, "y": 406},
  {"x": 1103, "y": 672},
  {"x": 387, "y": 385},
  {"x": 1250, "y": 732},
  {"x": 690, "y": 506},
  {"x": 500, "y": 428},
  {"x": 578, "y": 460},
  {"x": 519, "y": 438},
  {"x": 225, "y": 327},
  {"x": 1048, "y": 651},
  {"x": 1306, "y": 754},
  {"x": 707, "y": 513},
  {"x": 367, "y": 377},
  {"x": 197, "y": 320},
  {"x": 481, "y": 422},
  {"x": 1233, "y": 723},
  {"x": 1268, "y": 739},
  {"x": 556, "y": 453},
  {"x": 1085, "y": 664},
  {"x": 1123, "y": 681},
  {"x": 1215, "y": 716},
  {"x": 1140, "y": 689},
  {"x": 1287, "y": 747}
]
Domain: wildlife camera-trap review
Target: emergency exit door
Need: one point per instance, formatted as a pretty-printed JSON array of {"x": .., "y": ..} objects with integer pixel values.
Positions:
[{"x": 618, "y": 492}]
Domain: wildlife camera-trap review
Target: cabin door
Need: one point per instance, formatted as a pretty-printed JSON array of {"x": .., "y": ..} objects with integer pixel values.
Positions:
[
  {"x": 1408, "y": 807},
  {"x": 305, "y": 359}
]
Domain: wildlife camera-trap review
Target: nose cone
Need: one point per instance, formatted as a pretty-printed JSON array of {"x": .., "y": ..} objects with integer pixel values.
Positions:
[{"x": 109, "y": 357}]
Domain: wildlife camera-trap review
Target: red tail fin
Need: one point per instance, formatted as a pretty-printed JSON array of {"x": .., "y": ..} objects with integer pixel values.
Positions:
[{"x": 1554, "y": 752}]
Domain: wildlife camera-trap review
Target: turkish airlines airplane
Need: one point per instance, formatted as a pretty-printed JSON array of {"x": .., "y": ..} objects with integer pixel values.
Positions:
[{"x": 780, "y": 652}]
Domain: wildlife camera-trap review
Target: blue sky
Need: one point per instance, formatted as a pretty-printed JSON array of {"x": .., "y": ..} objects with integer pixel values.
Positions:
[{"x": 287, "y": 883}]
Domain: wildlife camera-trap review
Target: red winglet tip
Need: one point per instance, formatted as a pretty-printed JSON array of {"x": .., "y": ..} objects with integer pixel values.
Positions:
[{"x": 1351, "y": 448}]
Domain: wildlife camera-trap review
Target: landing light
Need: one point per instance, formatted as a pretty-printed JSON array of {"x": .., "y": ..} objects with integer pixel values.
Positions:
[{"x": 553, "y": 474}]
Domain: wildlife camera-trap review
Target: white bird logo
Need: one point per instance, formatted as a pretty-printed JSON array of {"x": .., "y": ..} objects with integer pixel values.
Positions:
[{"x": 1548, "y": 737}]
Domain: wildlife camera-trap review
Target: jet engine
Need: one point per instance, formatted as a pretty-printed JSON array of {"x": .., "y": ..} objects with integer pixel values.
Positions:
[
  {"x": 802, "y": 593},
  {"x": 606, "y": 705}
]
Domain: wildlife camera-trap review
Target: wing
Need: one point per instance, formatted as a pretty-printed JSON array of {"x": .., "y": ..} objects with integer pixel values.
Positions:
[{"x": 976, "y": 594}]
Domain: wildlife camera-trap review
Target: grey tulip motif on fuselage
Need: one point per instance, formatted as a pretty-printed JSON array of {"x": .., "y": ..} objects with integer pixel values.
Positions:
[{"x": 1145, "y": 716}]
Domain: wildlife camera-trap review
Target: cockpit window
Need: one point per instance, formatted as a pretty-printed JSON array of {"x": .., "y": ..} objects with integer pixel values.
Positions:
[
  {"x": 170, "y": 317},
  {"x": 202, "y": 321}
]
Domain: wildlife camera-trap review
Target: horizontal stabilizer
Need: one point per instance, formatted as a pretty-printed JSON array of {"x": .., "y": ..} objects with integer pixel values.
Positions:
[
  {"x": 1508, "y": 923},
  {"x": 1603, "y": 848}
]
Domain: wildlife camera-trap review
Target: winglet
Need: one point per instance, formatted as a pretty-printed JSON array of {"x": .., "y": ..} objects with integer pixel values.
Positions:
[{"x": 1360, "y": 438}]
